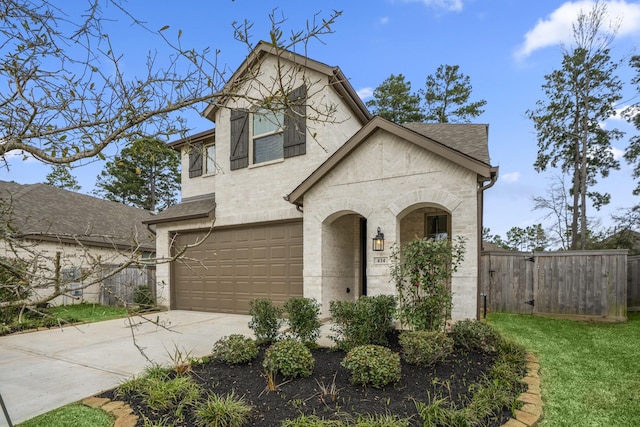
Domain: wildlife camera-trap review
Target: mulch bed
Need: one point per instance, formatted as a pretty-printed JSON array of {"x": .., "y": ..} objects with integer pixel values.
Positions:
[{"x": 450, "y": 378}]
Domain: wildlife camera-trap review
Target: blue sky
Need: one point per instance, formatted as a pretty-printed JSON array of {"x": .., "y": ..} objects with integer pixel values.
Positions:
[{"x": 505, "y": 46}]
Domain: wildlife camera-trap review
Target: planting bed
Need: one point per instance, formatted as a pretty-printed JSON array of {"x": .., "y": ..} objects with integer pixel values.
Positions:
[{"x": 451, "y": 379}]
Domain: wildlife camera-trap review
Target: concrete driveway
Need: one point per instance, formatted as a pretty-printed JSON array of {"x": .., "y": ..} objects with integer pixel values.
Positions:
[{"x": 41, "y": 371}]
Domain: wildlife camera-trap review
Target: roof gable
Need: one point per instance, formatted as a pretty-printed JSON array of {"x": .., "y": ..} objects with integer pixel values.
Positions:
[
  {"x": 337, "y": 79},
  {"x": 450, "y": 145},
  {"x": 50, "y": 213}
]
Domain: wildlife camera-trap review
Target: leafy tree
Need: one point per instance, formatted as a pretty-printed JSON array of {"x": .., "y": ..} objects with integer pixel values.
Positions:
[
  {"x": 580, "y": 96},
  {"x": 530, "y": 238},
  {"x": 66, "y": 98},
  {"x": 447, "y": 95},
  {"x": 632, "y": 114},
  {"x": 494, "y": 239},
  {"x": 145, "y": 175},
  {"x": 394, "y": 101},
  {"x": 61, "y": 177}
]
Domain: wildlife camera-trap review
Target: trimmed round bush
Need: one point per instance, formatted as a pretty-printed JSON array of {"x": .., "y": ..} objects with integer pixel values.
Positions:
[
  {"x": 424, "y": 348},
  {"x": 372, "y": 365},
  {"x": 235, "y": 349},
  {"x": 290, "y": 358},
  {"x": 473, "y": 335}
]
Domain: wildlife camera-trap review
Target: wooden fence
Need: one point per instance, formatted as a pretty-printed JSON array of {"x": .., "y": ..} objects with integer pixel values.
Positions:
[
  {"x": 586, "y": 284},
  {"x": 633, "y": 283},
  {"x": 120, "y": 287}
]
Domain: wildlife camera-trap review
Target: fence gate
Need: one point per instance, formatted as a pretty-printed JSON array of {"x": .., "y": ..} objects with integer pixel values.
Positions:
[{"x": 507, "y": 280}]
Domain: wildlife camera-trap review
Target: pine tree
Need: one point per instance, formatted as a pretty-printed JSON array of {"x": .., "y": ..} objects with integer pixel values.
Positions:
[
  {"x": 145, "y": 175},
  {"x": 447, "y": 96},
  {"x": 394, "y": 101},
  {"x": 61, "y": 177}
]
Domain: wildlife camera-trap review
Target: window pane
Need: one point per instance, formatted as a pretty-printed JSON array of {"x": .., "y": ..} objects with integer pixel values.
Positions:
[
  {"x": 267, "y": 148},
  {"x": 211, "y": 159},
  {"x": 437, "y": 227},
  {"x": 265, "y": 121}
]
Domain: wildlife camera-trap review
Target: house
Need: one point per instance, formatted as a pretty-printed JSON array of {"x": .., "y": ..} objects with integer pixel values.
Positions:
[
  {"x": 91, "y": 236},
  {"x": 297, "y": 192}
]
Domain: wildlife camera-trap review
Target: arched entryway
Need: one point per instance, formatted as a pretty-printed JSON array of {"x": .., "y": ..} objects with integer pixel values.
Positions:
[{"x": 344, "y": 257}]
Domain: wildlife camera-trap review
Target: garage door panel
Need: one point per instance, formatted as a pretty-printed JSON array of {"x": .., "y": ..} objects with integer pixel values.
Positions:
[{"x": 241, "y": 264}]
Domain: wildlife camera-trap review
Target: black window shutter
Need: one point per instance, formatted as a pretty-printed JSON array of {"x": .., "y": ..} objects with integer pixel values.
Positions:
[
  {"x": 239, "y": 139},
  {"x": 295, "y": 122},
  {"x": 195, "y": 161}
]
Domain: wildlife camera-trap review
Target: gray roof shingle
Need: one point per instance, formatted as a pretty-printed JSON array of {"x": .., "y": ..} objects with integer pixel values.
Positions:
[
  {"x": 192, "y": 208},
  {"x": 469, "y": 139},
  {"x": 40, "y": 210}
]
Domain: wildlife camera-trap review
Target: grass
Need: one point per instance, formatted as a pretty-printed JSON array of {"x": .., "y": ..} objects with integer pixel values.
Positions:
[
  {"x": 88, "y": 312},
  {"x": 590, "y": 371},
  {"x": 61, "y": 315},
  {"x": 76, "y": 414}
]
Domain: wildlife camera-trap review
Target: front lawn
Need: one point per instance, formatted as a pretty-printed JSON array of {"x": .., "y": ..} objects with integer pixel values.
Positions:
[
  {"x": 62, "y": 315},
  {"x": 590, "y": 371},
  {"x": 76, "y": 415}
]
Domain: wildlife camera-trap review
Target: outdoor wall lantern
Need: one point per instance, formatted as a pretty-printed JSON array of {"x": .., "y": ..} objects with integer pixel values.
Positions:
[{"x": 378, "y": 241}]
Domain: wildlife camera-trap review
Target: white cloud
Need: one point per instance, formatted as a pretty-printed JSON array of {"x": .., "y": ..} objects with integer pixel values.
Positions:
[
  {"x": 384, "y": 20},
  {"x": 510, "y": 177},
  {"x": 365, "y": 92},
  {"x": 448, "y": 5},
  {"x": 617, "y": 153},
  {"x": 556, "y": 28}
]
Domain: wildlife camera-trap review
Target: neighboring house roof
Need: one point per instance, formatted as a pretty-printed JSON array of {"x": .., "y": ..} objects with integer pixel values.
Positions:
[
  {"x": 336, "y": 79},
  {"x": 466, "y": 145},
  {"x": 199, "y": 207},
  {"x": 44, "y": 212}
]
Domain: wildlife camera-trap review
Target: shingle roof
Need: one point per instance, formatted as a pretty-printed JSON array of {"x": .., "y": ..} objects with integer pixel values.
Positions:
[
  {"x": 43, "y": 211},
  {"x": 469, "y": 139},
  {"x": 194, "y": 208}
]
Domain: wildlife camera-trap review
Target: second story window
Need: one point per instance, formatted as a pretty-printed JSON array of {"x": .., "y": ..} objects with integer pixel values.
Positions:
[
  {"x": 210, "y": 164},
  {"x": 268, "y": 135}
]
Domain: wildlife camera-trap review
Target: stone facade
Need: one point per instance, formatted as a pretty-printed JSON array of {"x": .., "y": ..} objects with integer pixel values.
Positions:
[
  {"x": 357, "y": 174},
  {"x": 386, "y": 180}
]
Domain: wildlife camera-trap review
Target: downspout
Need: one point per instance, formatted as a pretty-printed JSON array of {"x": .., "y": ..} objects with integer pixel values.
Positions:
[{"x": 493, "y": 177}]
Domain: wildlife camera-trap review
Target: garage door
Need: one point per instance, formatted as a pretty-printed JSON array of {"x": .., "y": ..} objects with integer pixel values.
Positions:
[{"x": 235, "y": 265}]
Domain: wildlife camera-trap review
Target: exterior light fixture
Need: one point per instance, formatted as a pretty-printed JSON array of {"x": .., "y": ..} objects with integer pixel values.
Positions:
[{"x": 378, "y": 241}]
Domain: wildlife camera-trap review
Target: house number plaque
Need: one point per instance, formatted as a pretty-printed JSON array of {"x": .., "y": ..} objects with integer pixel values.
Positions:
[{"x": 380, "y": 259}]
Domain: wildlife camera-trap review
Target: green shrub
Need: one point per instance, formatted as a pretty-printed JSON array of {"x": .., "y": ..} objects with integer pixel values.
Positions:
[
  {"x": 372, "y": 364},
  {"x": 235, "y": 349},
  {"x": 365, "y": 321},
  {"x": 143, "y": 298},
  {"x": 228, "y": 411},
  {"x": 12, "y": 278},
  {"x": 161, "y": 392},
  {"x": 266, "y": 320},
  {"x": 422, "y": 271},
  {"x": 303, "y": 319},
  {"x": 290, "y": 358},
  {"x": 473, "y": 335},
  {"x": 424, "y": 348}
]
